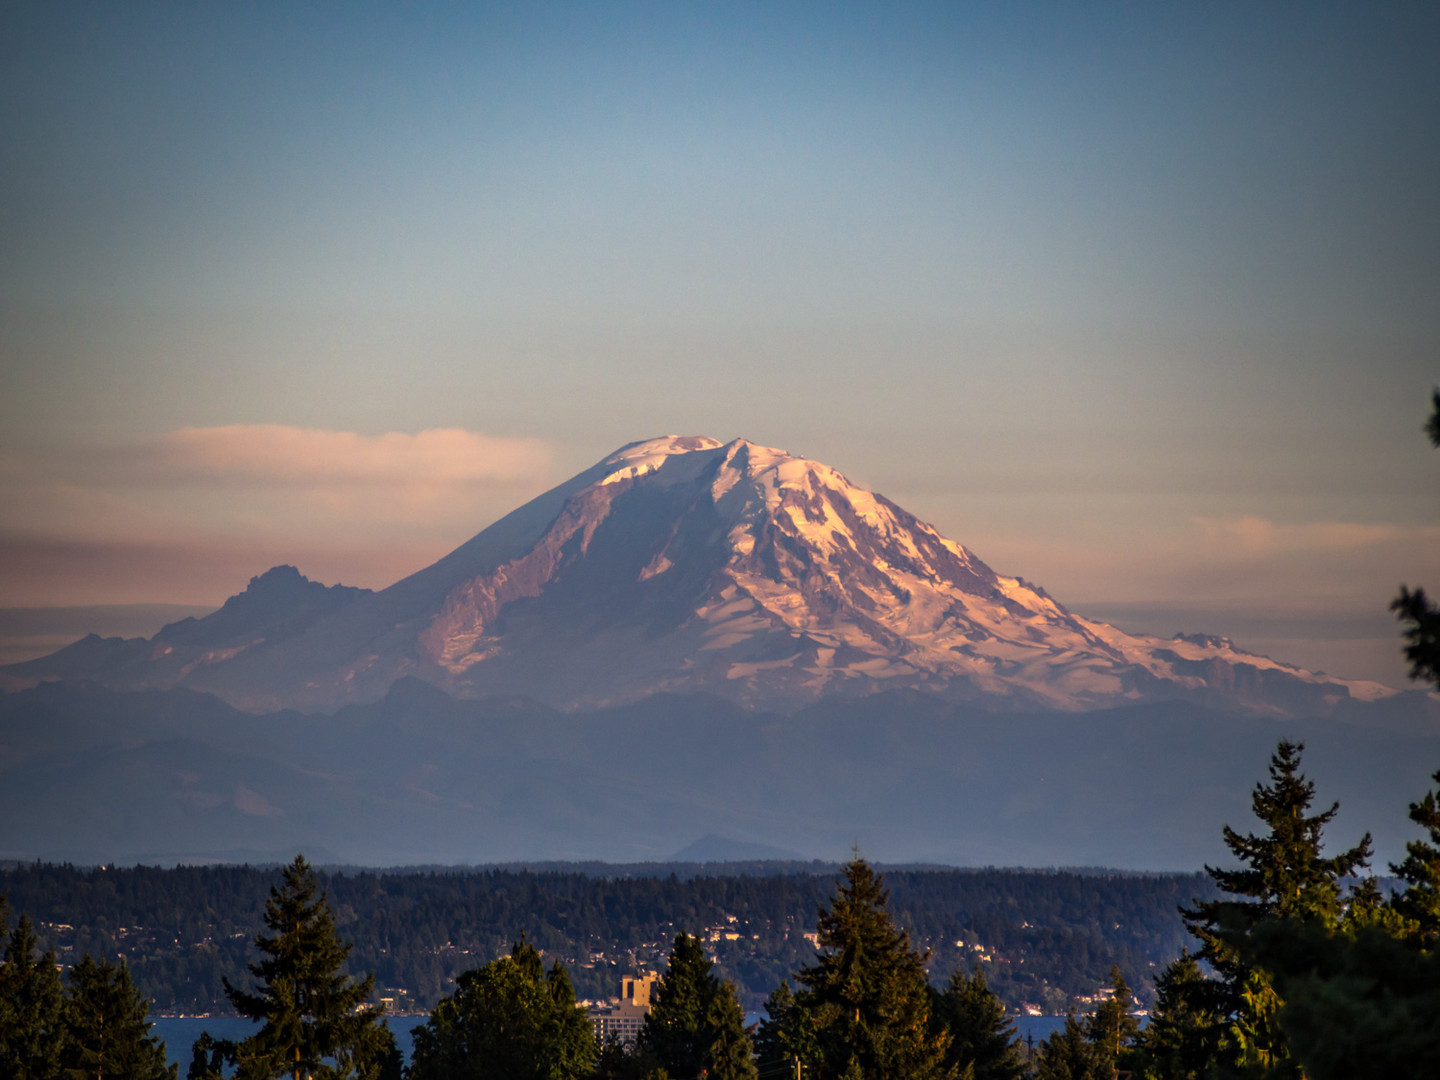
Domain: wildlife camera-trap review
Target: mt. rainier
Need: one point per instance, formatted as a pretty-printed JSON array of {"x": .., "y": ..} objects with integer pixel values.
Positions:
[{"x": 686, "y": 565}]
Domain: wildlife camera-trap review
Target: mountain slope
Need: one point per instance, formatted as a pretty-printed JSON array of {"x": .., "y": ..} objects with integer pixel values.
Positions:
[{"x": 685, "y": 565}]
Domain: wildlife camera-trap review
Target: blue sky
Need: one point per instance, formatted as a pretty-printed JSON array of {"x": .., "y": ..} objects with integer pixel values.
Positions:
[{"x": 1139, "y": 301}]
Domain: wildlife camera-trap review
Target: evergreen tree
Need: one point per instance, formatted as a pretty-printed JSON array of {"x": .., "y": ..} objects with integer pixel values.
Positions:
[
  {"x": 982, "y": 1040},
  {"x": 33, "y": 1037},
  {"x": 315, "y": 1020},
  {"x": 1284, "y": 877},
  {"x": 675, "y": 1029},
  {"x": 1068, "y": 1055},
  {"x": 786, "y": 1038},
  {"x": 1183, "y": 1035},
  {"x": 392, "y": 1061},
  {"x": 1111, "y": 1027},
  {"x": 695, "y": 1024},
  {"x": 7, "y": 1006},
  {"x": 1419, "y": 904},
  {"x": 1362, "y": 994},
  {"x": 731, "y": 1055},
  {"x": 867, "y": 997},
  {"x": 616, "y": 1061},
  {"x": 507, "y": 1020},
  {"x": 209, "y": 1057},
  {"x": 1356, "y": 1005},
  {"x": 1361, "y": 997},
  {"x": 1422, "y": 634},
  {"x": 109, "y": 1028}
]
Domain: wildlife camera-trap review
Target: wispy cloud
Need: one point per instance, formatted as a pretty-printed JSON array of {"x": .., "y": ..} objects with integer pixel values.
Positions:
[
  {"x": 278, "y": 455},
  {"x": 189, "y": 515},
  {"x": 1253, "y": 535}
]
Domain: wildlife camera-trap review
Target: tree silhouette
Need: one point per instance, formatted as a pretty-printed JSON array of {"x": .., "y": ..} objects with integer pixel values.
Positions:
[
  {"x": 1068, "y": 1055},
  {"x": 1419, "y": 904},
  {"x": 507, "y": 1020},
  {"x": 1183, "y": 1035},
  {"x": 867, "y": 997},
  {"x": 314, "y": 1016},
  {"x": 32, "y": 1007},
  {"x": 696, "y": 1026},
  {"x": 1284, "y": 878},
  {"x": 675, "y": 1031},
  {"x": 1414, "y": 608},
  {"x": 109, "y": 1026},
  {"x": 982, "y": 1039},
  {"x": 1112, "y": 1028},
  {"x": 786, "y": 1036}
]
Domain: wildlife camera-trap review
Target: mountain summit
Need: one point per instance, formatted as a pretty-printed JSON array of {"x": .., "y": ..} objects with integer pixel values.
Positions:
[{"x": 682, "y": 565}]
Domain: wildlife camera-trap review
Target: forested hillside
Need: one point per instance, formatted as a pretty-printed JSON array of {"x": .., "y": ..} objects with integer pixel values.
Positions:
[{"x": 1045, "y": 938}]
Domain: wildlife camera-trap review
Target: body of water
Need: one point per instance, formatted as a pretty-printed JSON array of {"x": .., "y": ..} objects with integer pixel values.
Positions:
[{"x": 1037, "y": 1027}]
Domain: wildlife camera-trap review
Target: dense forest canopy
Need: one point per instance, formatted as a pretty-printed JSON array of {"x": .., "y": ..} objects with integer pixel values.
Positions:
[{"x": 1045, "y": 938}]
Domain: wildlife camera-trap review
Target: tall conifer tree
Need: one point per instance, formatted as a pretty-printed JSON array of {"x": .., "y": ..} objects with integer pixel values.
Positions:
[
  {"x": 1415, "y": 609},
  {"x": 1284, "y": 876},
  {"x": 867, "y": 997},
  {"x": 695, "y": 1025},
  {"x": 731, "y": 1055},
  {"x": 1183, "y": 1035},
  {"x": 315, "y": 1020},
  {"x": 1362, "y": 994},
  {"x": 109, "y": 1027},
  {"x": 1112, "y": 1028},
  {"x": 786, "y": 1040},
  {"x": 1419, "y": 904},
  {"x": 1068, "y": 1055},
  {"x": 675, "y": 1029},
  {"x": 34, "y": 1035},
  {"x": 981, "y": 1038}
]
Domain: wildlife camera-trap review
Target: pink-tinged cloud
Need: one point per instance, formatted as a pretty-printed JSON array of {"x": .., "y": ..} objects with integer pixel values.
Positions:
[
  {"x": 189, "y": 516},
  {"x": 45, "y": 571},
  {"x": 1254, "y": 535},
  {"x": 278, "y": 455}
]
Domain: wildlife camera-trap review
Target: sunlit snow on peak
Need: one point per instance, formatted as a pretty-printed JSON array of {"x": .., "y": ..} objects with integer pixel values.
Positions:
[
  {"x": 663, "y": 446},
  {"x": 639, "y": 458},
  {"x": 770, "y": 576}
]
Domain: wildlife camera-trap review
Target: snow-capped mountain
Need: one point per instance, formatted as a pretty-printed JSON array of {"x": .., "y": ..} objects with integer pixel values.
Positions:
[{"x": 687, "y": 565}]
